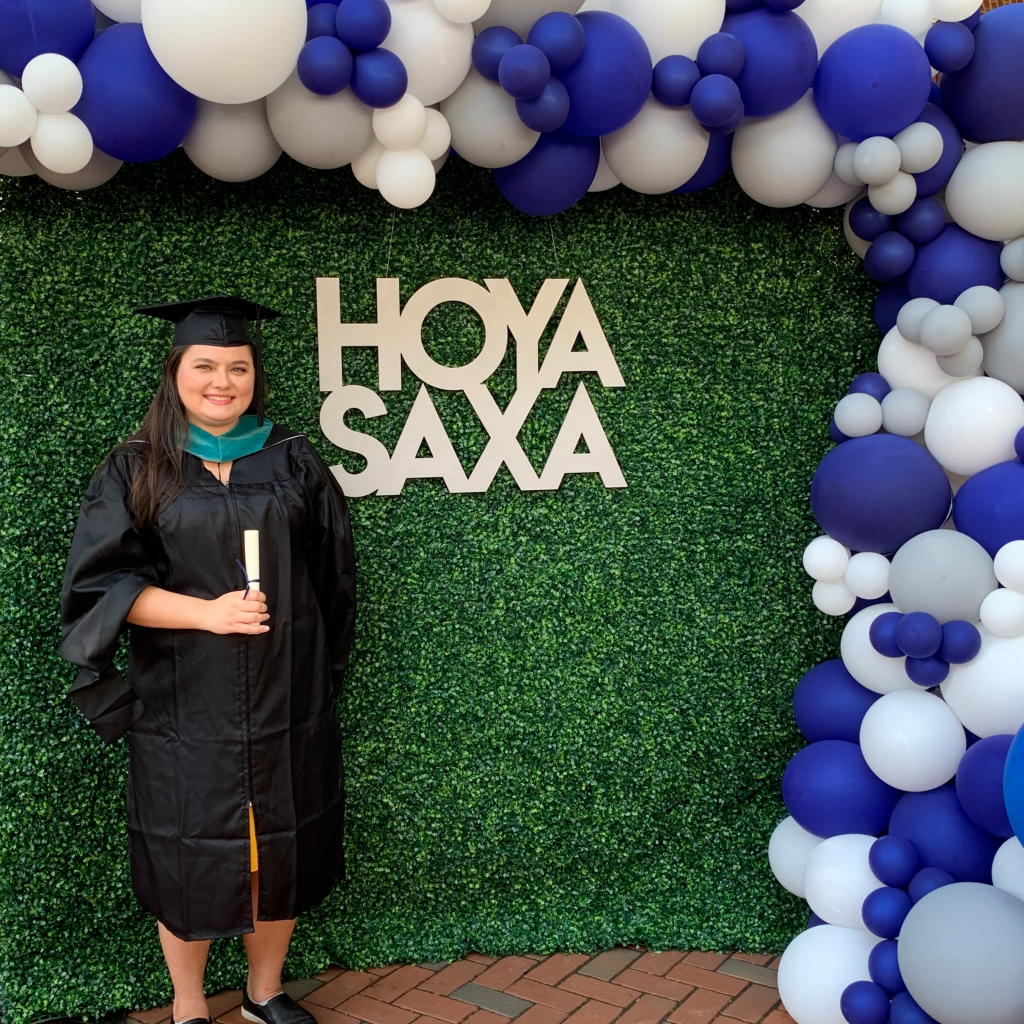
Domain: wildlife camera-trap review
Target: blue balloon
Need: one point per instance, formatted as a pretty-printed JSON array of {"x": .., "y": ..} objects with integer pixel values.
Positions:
[
  {"x": 989, "y": 507},
  {"x": 949, "y": 46},
  {"x": 721, "y": 54},
  {"x": 830, "y": 791},
  {"x": 890, "y": 256},
  {"x": 490, "y": 46},
  {"x": 884, "y": 967},
  {"x": 730, "y": 126},
  {"x": 952, "y": 263},
  {"x": 784, "y": 5},
  {"x": 781, "y": 58},
  {"x": 829, "y": 704},
  {"x": 928, "y": 880},
  {"x": 379, "y": 77},
  {"x": 32, "y": 27},
  {"x": 928, "y": 671},
  {"x": 935, "y": 93},
  {"x": 923, "y": 222},
  {"x": 674, "y": 79},
  {"x": 882, "y": 634},
  {"x": 866, "y": 222},
  {"x": 325, "y": 65},
  {"x": 870, "y": 383},
  {"x": 835, "y": 433},
  {"x": 874, "y": 493},
  {"x": 961, "y": 642},
  {"x": 813, "y": 921},
  {"x": 1013, "y": 784},
  {"x": 363, "y": 24},
  {"x": 524, "y": 71},
  {"x": 739, "y": 6},
  {"x": 979, "y": 785},
  {"x": 874, "y": 80},
  {"x": 943, "y": 835},
  {"x": 547, "y": 111},
  {"x": 864, "y": 1002},
  {"x": 716, "y": 163},
  {"x": 133, "y": 108},
  {"x": 1018, "y": 444},
  {"x": 560, "y": 37},
  {"x": 918, "y": 634},
  {"x": 715, "y": 101},
  {"x": 986, "y": 98},
  {"x": 905, "y": 1011},
  {"x": 893, "y": 861},
  {"x": 553, "y": 176},
  {"x": 888, "y": 303},
  {"x": 612, "y": 79},
  {"x": 937, "y": 177},
  {"x": 321, "y": 20},
  {"x": 973, "y": 20},
  {"x": 885, "y": 910}
]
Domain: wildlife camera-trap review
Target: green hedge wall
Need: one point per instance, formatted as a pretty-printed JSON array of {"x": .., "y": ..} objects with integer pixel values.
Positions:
[{"x": 568, "y": 713}]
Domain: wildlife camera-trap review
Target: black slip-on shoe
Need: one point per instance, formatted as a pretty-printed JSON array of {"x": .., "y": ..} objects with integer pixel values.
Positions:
[
  {"x": 193, "y": 1020},
  {"x": 281, "y": 1009}
]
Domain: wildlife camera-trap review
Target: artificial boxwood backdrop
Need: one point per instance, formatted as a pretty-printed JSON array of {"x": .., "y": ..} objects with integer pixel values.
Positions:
[{"x": 567, "y": 714}]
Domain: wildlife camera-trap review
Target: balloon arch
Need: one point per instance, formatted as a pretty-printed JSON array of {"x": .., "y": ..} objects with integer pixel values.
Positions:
[{"x": 910, "y": 113}]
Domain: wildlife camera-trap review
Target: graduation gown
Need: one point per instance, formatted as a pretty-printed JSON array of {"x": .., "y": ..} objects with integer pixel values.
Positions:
[{"x": 216, "y": 723}]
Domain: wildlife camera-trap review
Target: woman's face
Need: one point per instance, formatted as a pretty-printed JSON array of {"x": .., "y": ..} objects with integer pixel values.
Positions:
[{"x": 216, "y": 385}]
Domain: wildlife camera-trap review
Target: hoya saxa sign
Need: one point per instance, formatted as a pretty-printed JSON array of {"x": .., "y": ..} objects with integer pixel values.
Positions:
[{"x": 397, "y": 337}]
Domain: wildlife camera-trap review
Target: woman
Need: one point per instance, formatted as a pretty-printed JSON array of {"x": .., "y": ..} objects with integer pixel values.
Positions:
[{"x": 235, "y": 791}]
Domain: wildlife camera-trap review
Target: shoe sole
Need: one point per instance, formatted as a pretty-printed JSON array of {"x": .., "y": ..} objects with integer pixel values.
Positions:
[{"x": 252, "y": 1017}]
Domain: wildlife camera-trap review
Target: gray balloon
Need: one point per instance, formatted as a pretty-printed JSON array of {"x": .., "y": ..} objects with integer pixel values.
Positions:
[
  {"x": 944, "y": 573},
  {"x": 961, "y": 954},
  {"x": 1004, "y": 347}
]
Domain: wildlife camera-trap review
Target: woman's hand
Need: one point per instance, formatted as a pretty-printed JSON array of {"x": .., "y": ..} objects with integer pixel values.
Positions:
[
  {"x": 162, "y": 609},
  {"x": 235, "y": 613}
]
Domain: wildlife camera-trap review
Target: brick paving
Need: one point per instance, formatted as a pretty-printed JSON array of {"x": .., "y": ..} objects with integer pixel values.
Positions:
[{"x": 624, "y": 985}]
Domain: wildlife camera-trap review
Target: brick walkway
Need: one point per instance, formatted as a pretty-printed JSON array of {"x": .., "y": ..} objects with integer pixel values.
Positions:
[{"x": 627, "y": 985}]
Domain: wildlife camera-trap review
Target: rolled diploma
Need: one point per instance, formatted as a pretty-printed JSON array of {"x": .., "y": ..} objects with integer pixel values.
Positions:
[{"x": 252, "y": 557}]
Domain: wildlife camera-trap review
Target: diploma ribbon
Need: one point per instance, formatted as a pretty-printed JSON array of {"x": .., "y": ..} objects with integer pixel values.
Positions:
[{"x": 248, "y": 582}]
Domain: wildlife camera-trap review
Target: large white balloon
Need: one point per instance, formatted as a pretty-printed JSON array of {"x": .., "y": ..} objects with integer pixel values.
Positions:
[
  {"x": 604, "y": 179},
  {"x": 785, "y": 159},
  {"x": 61, "y": 142},
  {"x": 913, "y": 16},
  {"x": 462, "y": 11},
  {"x": 659, "y": 150},
  {"x": 227, "y": 51},
  {"x": 830, "y": 19},
  {"x": 405, "y": 177},
  {"x": 1008, "y": 868},
  {"x": 985, "y": 195},
  {"x": 1004, "y": 346},
  {"x": 486, "y": 129},
  {"x": 838, "y": 879},
  {"x": 232, "y": 141},
  {"x": 788, "y": 850},
  {"x": 52, "y": 83},
  {"x": 834, "y": 193},
  {"x": 519, "y": 15},
  {"x": 669, "y": 26},
  {"x": 98, "y": 171},
  {"x": 17, "y": 116},
  {"x": 987, "y": 694},
  {"x": 953, "y": 10},
  {"x": 905, "y": 365},
  {"x": 863, "y": 662},
  {"x": 437, "y": 53},
  {"x": 319, "y": 131},
  {"x": 120, "y": 10}
]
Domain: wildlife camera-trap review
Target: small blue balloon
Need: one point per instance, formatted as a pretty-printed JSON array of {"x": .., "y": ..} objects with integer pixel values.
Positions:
[
  {"x": 379, "y": 77},
  {"x": 870, "y": 383},
  {"x": 721, "y": 54},
  {"x": 730, "y": 126},
  {"x": 363, "y": 24},
  {"x": 893, "y": 861},
  {"x": 935, "y": 94},
  {"x": 612, "y": 79},
  {"x": 882, "y": 634},
  {"x": 781, "y": 58},
  {"x": 524, "y": 71},
  {"x": 674, "y": 79},
  {"x": 490, "y": 46},
  {"x": 927, "y": 672},
  {"x": 813, "y": 921},
  {"x": 874, "y": 80},
  {"x": 979, "y": 785},
  {"x": 716, "y": 163},
  {"x": 928, "y": 880},
  {"x": 739, "y": 6},
  {"x": 553, "y": 176},
  {"x": 972, "y": 21},
  {"x": 1018, "y": 444},
  {"x": 989, "y": 507},
  {"x": 884, "y": 967},
  {"x": 923, "y": 222},
  {"x": 325, "y": 65},
  {"x": 918, "y": 634},
  {"x": 829, "y": 704},
  {"x": 961, "y": 642},
  {"x": 937, "y": 177},
  {"x": 890, "y": 256},
  {"x": 950, "y": 264},
  {"x": 905, "y": 1011},
  {"x": 885, "y": 910},
  {"x": 560, "y": 37},
  {"x": 547, "y": 111},
  {"x": 949, "y": 45},
  {"x": 321, "y": 20},
  {"x": 888, "y": 303},
  {"x": 866, "y": 222},
  {"x": 864, "y": 1002},
  {"x": 715, "y": 100},
  {"x": 32, "y": 27},
  {"x": 1013, "y": 784},
  {"x": 784, "y": 5}
]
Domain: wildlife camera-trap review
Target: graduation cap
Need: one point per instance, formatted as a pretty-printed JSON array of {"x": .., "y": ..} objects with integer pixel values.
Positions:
[{"x": 218, "y": 320}]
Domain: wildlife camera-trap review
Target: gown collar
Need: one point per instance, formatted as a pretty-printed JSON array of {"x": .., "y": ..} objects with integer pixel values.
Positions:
[{"x": 244, "y": 438}]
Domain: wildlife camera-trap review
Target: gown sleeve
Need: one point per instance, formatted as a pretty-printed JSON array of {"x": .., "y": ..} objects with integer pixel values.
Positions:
[{"x": 107, "y": 569}]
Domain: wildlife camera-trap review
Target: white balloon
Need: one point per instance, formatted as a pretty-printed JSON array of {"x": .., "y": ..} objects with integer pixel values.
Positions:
[
  {"x": 905, "y": 411},
  {"x": 876, "y": 160},
  {"x": 964, "y": 363},
  {"x": 401, "y": 126},
  {"x": 859, "y": 245},
  {"x": 867, "y": 575},
  {"x": 1004, "y": 346},
  {"x": 953, "y": 10},
  {"x": 437, "y": 53},
  {"x": 985, "y": 195},
  {"x": 659, "y": 150},
  {"x": 437, "y": 139},
  {"x": 871, "y": 669},
  {"x": 985, "y": 307},
  {"x": 1002, "y": 613},
  {"x": 51, "y": 83},
  {"x": 920, "y": 147},
  {"x": 911, "y": 316},
  {"x": 486, "y": 129},
  {"x": 830, "y": 19},
  {"x": 319, "y": 131},
  {"x": 670, "y": 27},
  {"x": 788, "y": 850},
  {"x": 818, "y": 965},
  {"x": 826, "y": 559},
  {"x": 944, "y": 330},
  {"x": 832, "y": 598},
  {"x": 462, "y": 11},
  {"x": 1008, "y": 868},
  {"x": 905, "y": 365},
  {"x": 838, "y": 878},
  {"x": 364, "y": 167},
  {"x": 61, "y": 142},
  {"x": 13, "y": 163},
  {"x": 835, "y": 193},
  {"x": 987, "y": 694},
  {"x": 519, "y": 15},
  {"x": 405, "y": 178},
  {"x": 843, "y": 166},
  {"x": 17, "y": 116},
  {"x": 98, "y": 171},
  {"x": 858, "y": 415},
  {"x": 232, "y": 141},
  {"x": 1009, "y": 565},
  {"x": 785, "y": 159},
  {"x": 120, "y": 10},
  {"x": 972, "y": 423},
  {"x": 604, "y": 179},
  {"x": 895, "y": 196},
  {"x": 1011, "y": 259},
  {"x": 913, "y": 16}
]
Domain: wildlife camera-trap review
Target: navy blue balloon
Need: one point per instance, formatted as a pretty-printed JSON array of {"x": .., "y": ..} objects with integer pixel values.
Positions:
[
  {"x": 923, "y": 222},
  {"x": 547, "y": 111},
  {"x": 928, "y": 880},
  {"x": 674, "y": 79},
  {"x": 830, "y": 790},
  {"x": 918, "y": 634},
  {"x": 781, "y": 58},
  {"x": 943, "y": 835},
  {"x": 132, "y": 107},
  {"x": 721, "y": 54},
  {"x": 561, "y": 38},
  {"x": 866, "y": 222},
  {"x": 553, "y": 176},
  {"x": 379, "y": 77},
  {"x": 715, "y": 100},
  {"x": 885, "y": 910},
  {"x": 864, "y": 1002},
  {"x": 612, "y": 79},
  {"x": 363, "y": 24},
  {"x": 893, "y": 861},
  {"x": 870, "y": 383},
  {"x": 875, "y": 493},
  {"x": 937, "y": 177},
  {"x": 813, "y": 921},
  {"x": 928, "y": 671},
  {"x": 835, "y": 433},
  {"x": 730, "y": 126},
  {"x": 884, "y": 967},
  {"x": 952, "y": 263},
  {"x": 321, "y": 20},
  {"x": 972, "y": 21},
  {"x": 949, "y": 45},
  {"x": 874, "y": 80},
  {"x": 888, "y": 303},
  {"x": 905, "y": 1011},
  {"x": 986, "y": 98},
  {"x": 989, "y": 507},
  {"x": 961, "y": 642},
  {"x": 890, "y": 256},
  {"x": 1013, "y": 783},
  {"x": 829, "y": 704},
  {"x": 524, "y": 71},
  {"x": 490, "y": 46},
  {"x": 325, "y": 65},
  {"x": 882, "y": 634},
  {"x": 716, "y": 163},
  {"x": 784, "y": 5},
  {"x": 935, "y": 94},
  {"x": 739, "y": 6},
  {"x": 979, "y": 785},
  {"x": 1018, "y": 444},
  {"x": 32, "y": 27}
]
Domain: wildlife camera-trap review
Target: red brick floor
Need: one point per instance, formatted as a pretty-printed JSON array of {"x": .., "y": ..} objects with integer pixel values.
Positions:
[{"x": 624, "y": 985}]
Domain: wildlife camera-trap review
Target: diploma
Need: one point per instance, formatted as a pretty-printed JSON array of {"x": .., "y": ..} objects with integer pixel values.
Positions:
[{"x": 252, "y": 558}]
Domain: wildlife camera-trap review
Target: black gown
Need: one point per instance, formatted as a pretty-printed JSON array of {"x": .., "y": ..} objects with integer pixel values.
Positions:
[{"x": 216, "y": 722}]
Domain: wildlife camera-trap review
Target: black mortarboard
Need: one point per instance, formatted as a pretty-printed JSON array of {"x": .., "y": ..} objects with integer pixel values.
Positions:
[{"x": 218, "y": 320}]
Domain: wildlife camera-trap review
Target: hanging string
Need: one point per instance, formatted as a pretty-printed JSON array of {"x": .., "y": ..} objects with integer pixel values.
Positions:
[{"x": 387, "y": 273}]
